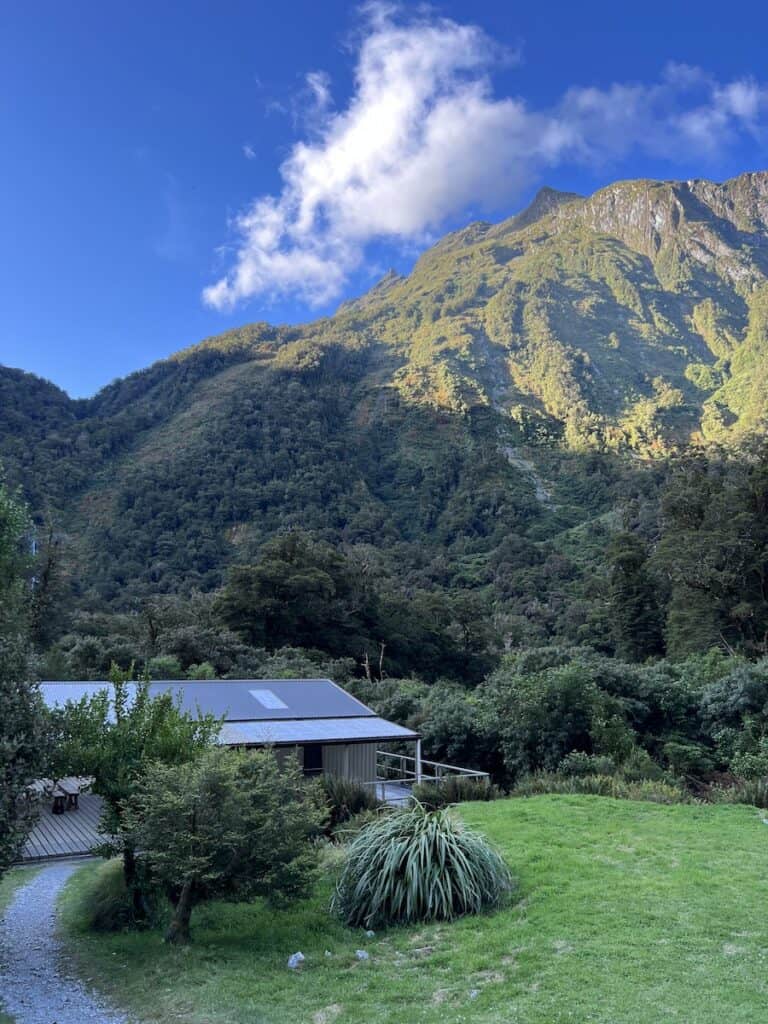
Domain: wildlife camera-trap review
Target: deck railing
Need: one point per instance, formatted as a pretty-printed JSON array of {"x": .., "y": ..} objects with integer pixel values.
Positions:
[{"x": 396, "y": 774}]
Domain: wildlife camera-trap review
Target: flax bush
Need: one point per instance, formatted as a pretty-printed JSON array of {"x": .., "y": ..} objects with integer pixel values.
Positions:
[{"x": 418, "y": 865}]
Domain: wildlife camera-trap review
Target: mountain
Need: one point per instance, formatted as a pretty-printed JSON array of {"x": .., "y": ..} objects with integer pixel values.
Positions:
[{"x": 461, "y": 427}]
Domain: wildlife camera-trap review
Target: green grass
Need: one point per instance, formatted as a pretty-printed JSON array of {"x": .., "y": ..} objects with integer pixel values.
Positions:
[
  {"x": 9, "y": 883},
  {"x": 628, "y": 913}
]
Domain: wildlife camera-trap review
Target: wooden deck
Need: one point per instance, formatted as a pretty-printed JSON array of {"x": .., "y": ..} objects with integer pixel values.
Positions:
[{"x": 71, "y": 834}]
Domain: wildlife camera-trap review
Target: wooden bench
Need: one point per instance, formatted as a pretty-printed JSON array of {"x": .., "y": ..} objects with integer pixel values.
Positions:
[
  {"x": 72, "y": 794},
  {"x": 65, "y": 798}
]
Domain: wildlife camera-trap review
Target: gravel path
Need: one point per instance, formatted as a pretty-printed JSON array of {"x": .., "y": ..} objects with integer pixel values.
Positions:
[{"x": 35, "y": 985}]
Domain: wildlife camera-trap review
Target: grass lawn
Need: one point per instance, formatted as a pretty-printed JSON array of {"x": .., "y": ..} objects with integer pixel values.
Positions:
[
  {"x": 9, "y": 883},
  {"x": 628, "y": 913}
]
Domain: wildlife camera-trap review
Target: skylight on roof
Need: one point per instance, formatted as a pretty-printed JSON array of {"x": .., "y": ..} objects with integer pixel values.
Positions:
[{"x": 268, "y": 699}]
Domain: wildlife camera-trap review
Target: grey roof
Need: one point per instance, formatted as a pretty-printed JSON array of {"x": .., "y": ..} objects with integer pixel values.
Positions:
[
  {"x": 277, "y": 710},
  {"x": 238, "y": 700},
  {"x": 319, "y": 730}
]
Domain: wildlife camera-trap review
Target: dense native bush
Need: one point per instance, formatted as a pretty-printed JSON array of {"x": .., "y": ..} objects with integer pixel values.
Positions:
[
  {"x": 345, "y": 799},
  {"x": 455, "y": 729},
  {"x": 735, "y": 709},
  {"x": 418, "y": 865},
  {"x": 546, "y": 714},
  {"x": 686, "y": 719}
]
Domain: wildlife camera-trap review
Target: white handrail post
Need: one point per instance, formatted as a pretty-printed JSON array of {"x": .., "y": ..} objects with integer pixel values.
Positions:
[{"x": 418, "y": 760}]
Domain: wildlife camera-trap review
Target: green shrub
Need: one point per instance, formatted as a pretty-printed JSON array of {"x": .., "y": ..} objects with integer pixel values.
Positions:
[
  {"x": 689, "y": 758},
  {"x": 579, "y": 763},
  {"x": 750, "y": 766},
  {"x": 453, "y": 789},
  {"x": 204, "y": 670},
  {"x": 639, "y": 766},
  {"x": 345, "y": 799},
  {"x": 418, "y": 865}
]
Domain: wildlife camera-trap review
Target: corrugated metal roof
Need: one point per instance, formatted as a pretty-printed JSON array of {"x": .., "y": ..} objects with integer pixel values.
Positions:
[
  {"x": 238, "y": 700},
  {"x": 319, "y": 730}
]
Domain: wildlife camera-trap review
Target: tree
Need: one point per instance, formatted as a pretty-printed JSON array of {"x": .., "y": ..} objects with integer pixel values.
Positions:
[
  {"x": 165, "y": 666},
  {"x": 22, "y": 749},
  {"x": 112, "y": 737},
  {"x": 714, "y": 552},
  {"x": 301, "y": 593},
  {"x": 14, "y": 565},
  {"x": 22, "y": 734},
  {"x": 635, "y": 612},
  {"x": 230, "y": 824}
]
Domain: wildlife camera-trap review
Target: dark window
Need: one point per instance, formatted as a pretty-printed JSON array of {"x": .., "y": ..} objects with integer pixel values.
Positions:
[{"x": 313, "y": 758}]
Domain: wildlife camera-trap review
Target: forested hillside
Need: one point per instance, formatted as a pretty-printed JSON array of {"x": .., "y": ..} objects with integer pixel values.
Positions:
[{"x": 550, "y": 430}]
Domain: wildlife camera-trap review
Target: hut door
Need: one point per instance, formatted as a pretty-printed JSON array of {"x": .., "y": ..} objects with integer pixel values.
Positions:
[{"x": 313, "y": 758}]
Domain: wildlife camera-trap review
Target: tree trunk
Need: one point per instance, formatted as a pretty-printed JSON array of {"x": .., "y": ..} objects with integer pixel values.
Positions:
[
  {"x": 133, "y": 885},
  {"x": 178, "y": 929}
]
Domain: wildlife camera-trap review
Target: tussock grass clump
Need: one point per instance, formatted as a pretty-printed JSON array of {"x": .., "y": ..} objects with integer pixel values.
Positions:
[
  {"x": 106, "y": 905},
  {"x": 658, "y": 792},
  {"x": 419, "y": 865},
  {"x": 346, "y": 799},
  {"x": 579, "y": 763},
  {"x": 454, "y": 789},
  {"x": 745, "y": 791}
]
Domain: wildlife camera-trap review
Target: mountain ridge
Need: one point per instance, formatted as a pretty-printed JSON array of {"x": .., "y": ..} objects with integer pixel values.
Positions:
[{"x": 438, "y": 405}]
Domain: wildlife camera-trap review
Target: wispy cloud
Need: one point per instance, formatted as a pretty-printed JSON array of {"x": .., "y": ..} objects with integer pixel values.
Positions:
[{"x": 424, "y": 137}]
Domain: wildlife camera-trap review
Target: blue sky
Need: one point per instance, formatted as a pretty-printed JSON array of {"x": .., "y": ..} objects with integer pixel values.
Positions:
[{"x": 173, "y": 169}]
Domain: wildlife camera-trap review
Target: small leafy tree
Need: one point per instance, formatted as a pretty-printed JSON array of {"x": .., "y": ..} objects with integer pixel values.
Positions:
[
  {"x": 229, "y": 824},
  {"x": 112, "y": 737},
  {"x": 22, "y": 739},
  {"x": 22, "y": 750}
]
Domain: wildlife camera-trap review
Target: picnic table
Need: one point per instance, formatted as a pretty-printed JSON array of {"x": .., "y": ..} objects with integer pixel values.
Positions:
[{"x": 65, "y": 797}]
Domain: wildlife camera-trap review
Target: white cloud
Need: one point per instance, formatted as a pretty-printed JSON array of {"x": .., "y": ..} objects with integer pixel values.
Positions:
[
  {"x": 319, "y": 85},
  {"x": 423, "y": 137},
  {"x": 249, "y": 152}
]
